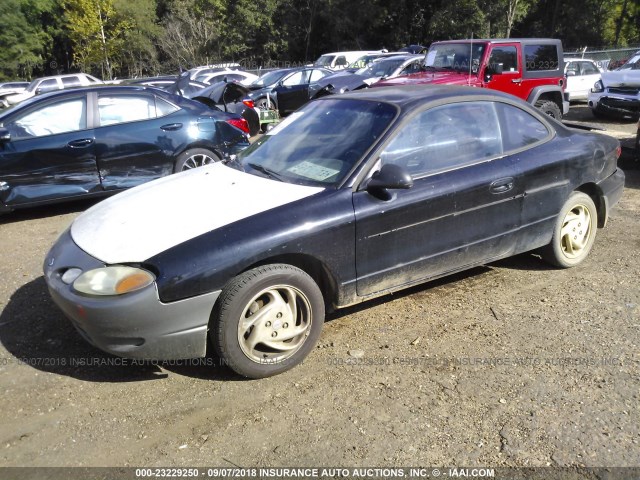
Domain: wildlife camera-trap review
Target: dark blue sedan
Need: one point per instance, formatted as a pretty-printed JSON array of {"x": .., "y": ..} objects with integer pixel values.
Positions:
[
  {"x": 98, "y": 140},
  {"x": 352, "y": 197}
]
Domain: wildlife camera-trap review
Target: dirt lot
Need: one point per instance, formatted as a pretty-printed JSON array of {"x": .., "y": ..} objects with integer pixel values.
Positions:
[{"x": 511, "y": 364}]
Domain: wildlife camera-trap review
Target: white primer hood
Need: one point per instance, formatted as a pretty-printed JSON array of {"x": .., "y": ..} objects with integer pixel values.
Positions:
[{"x": 147, "y": 220}]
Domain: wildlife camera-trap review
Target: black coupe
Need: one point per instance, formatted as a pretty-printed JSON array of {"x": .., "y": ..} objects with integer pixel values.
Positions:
[{"x": 351, "y": 197}]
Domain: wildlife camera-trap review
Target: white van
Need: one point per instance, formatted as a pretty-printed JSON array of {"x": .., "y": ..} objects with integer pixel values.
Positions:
[{"x": 340, "y": 60}]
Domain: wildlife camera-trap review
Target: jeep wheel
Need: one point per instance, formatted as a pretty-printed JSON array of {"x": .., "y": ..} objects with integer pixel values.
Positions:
[{"x": 549, "y": 107}]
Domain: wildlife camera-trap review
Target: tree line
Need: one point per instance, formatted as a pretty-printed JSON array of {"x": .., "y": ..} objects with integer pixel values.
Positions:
[{"x": 133, "y": 38}]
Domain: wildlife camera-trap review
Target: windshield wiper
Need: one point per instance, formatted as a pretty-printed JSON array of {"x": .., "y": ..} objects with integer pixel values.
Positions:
[{"x": 270, "y": 173}]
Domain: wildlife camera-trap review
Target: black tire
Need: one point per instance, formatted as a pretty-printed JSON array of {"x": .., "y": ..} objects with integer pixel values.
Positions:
[
  {"x": 193, "y": 158},
  {"x": 262, "y": 103},
  {"x": 551, "y": 108},
  {"x": 254, "y": 350},
  {"x": 577, "y": 214}
]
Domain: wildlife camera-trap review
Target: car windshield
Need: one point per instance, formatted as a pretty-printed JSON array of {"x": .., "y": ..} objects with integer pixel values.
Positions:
[
  {"x": 363, "y": 61},
  {"x": 269, "y": 78},
  {"x": 632, "y": 64},
  {"x": 325, "y": 60},
  {"x": 381, "y": 68},
  {"x": 455, "y": 56},
  {"x": 32, "y": 86},
  {"x": 319, "y": 144}
]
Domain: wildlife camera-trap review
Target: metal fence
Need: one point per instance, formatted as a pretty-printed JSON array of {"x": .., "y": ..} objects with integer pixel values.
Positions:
[{"x": 607, "y": 59}]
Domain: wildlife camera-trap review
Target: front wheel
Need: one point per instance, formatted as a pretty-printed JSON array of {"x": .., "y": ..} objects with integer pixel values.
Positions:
[
  {"x": 267, "y": 320},
  {"x": 574, "y": 232},
  {"x": 194, "y": 158},
  {"x": 550, "y": 108}
]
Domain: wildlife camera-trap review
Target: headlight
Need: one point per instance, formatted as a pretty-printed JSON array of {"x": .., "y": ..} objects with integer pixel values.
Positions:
[
  {"x": 115, "y": 280},
  {"x": 598, "y": 87}
]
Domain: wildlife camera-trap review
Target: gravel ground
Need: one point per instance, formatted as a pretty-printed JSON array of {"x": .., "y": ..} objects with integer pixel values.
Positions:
[{"x": 511, "y": 364}]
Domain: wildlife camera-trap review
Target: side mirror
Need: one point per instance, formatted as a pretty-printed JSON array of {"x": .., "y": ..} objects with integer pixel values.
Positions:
[
  {"x": 571, "y": 73},
  {"x": 5, "y": 135},
  {"x": 390, "y": 176},
  {"x": 38, "y": 91}
]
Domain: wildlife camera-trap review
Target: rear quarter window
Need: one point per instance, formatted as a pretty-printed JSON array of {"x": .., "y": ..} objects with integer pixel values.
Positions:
[{"x": 540, "y": 58}]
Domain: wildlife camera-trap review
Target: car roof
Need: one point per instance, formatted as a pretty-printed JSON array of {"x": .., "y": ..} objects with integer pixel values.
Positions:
[
  {"x": 94, "y": 88},
  {"x": 408, "y": 97},
  {"x": 503, "y": 40}
]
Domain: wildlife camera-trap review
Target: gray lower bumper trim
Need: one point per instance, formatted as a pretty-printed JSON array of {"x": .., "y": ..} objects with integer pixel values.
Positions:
[{"x": 135, "y": 325}]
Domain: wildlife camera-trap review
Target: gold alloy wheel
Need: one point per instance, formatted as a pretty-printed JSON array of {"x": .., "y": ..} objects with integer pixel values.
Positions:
[
  {"x": 576, "y": 231},
  {"x": 274, "y": 324}
]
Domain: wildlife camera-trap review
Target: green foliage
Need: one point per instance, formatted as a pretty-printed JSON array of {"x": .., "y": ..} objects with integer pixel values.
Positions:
[
  {"x": 125, "y": 38},
  {"x": 458, "y": 18},
  {"x": 24, "y": 38}
]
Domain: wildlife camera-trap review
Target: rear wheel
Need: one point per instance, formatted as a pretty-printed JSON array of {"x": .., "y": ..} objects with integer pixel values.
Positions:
[
  {"x": 194, "y": 158},
  {"x": 574, "y": 232},
  {"x": 267, "y": 320},
  {"x": 261, "y": 103},
  {"x": 551, "y": 108}
]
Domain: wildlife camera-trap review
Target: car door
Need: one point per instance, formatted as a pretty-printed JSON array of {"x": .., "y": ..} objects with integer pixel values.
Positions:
[
  {"x": 136, "y": 137},
  {"x": 463, "y": 208},
  {"x": 539, "y": 170},
  {"x": 293, "y": 91},
  {"x": 50, "y": 153},
  {"x": 510, "y": 80},
  {"x": 572, "y": 72}
]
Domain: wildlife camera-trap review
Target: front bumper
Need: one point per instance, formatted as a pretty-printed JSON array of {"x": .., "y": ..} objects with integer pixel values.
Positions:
[
  {"x": 616, "y": 106},
  {"x": 135, "y": 325}
]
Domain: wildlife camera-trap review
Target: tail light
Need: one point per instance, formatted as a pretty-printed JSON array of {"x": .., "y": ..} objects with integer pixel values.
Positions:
[
  {"x": 249, "y": 103},
  {"x": 240, "y": 123},
  {"x": 618, "y": 151}
]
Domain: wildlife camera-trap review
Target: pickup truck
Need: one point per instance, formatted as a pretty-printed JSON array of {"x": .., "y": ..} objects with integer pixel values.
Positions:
[{"x": 532, "y": 69}]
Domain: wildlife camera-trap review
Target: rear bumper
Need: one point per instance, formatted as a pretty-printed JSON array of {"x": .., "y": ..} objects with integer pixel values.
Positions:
[
  {"x": 612, "y": 188},
  {"x": 135, "y": 325}
]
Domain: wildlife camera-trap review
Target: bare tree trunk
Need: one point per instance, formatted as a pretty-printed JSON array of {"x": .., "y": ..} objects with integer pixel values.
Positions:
[
  {"x": 104, "y": 47},
  {"x": 620, "y": 21},
  {"x": 554, "y": 20},
  {"x": 511, "y": 15},
  {"x": 311, "y": 5}
]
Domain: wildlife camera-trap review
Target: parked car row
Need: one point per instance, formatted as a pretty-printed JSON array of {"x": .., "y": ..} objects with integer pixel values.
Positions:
[
  {"x": 47, "y": 84},
  {"x": 99, "y": 140}
]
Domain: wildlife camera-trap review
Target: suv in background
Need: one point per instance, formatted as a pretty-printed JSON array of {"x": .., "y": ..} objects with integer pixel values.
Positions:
[
  {"x": 617, "y": 93},
  {"x": 49, "y": 84},
  {"x": 581, "y": 74},
  {"x": 340, "y": 60},
  {"x": 532, "y": 69}
]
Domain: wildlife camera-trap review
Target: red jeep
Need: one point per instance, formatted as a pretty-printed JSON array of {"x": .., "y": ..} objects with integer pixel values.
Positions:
[{"x": 532, "y": 69}]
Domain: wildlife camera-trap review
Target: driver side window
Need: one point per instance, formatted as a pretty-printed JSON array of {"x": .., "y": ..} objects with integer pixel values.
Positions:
[
  {"x": 446, "y": 137},
  {"x": 297, "y": 78},
  {"x": 52, "y": 119},
  {"x": 507, "y": 56}
]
